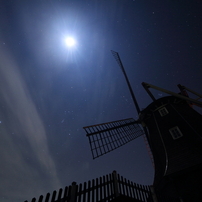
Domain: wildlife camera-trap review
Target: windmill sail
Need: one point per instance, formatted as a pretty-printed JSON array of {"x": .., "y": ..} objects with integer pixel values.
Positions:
[
  {"x": 118, "y": 59},
  {"x": 106, "y": 137}
]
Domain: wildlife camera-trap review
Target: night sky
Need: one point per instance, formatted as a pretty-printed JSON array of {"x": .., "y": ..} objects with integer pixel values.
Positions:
[{"x": 49, "y": 91}]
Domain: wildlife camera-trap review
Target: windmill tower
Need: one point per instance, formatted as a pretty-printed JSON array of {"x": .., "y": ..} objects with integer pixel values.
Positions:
[{"x": 173, "y": 130}]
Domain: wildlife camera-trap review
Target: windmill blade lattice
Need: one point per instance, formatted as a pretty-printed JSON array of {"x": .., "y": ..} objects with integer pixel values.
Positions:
[{"x": 106, "y": 137}]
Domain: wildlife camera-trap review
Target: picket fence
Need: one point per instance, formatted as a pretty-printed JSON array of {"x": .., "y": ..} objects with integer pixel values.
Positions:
[{"x": 103, "y": 189}]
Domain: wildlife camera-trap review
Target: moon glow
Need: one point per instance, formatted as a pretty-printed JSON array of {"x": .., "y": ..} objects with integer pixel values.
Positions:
[{"x": 70, "y": 41}]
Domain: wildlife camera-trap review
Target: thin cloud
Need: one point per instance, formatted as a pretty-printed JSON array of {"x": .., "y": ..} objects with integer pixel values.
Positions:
[{"x": 25, "y": 157}]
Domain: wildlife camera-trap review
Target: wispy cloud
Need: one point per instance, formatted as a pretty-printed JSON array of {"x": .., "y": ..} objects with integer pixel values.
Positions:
[{"x": 26, "y": 164}]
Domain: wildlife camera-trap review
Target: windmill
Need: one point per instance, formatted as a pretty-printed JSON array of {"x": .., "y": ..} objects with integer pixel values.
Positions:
[{"x": 173, "y": 130}]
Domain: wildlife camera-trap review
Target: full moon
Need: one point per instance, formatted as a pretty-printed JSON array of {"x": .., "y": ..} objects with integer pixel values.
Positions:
[{"x": 70, "y": 41}]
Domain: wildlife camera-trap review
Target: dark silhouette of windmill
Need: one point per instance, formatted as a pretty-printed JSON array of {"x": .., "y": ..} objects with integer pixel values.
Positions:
[{"x": 173, "y": 130}]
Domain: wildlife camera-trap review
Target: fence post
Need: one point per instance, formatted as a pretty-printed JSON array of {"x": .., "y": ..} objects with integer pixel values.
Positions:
[
  {"x": 153, "y": 194},
  {"x": 73, "y": 192},
  {"x": 115, "y": 182}
]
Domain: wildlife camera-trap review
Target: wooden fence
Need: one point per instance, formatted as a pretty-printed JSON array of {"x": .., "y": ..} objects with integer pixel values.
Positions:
[{"x": 101, "y": 189}]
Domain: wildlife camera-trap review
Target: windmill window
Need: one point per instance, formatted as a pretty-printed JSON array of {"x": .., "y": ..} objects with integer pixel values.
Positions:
[
  {"x": 163, "y": 111},
  {"x": 175, "y": 132}
]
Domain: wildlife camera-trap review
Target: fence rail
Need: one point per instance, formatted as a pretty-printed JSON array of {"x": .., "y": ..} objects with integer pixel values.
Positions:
[{"x": 102, "y": 189}]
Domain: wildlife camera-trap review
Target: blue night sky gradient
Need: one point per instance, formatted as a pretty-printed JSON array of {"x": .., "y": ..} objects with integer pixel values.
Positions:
[{"x": 49, "y": 91}]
